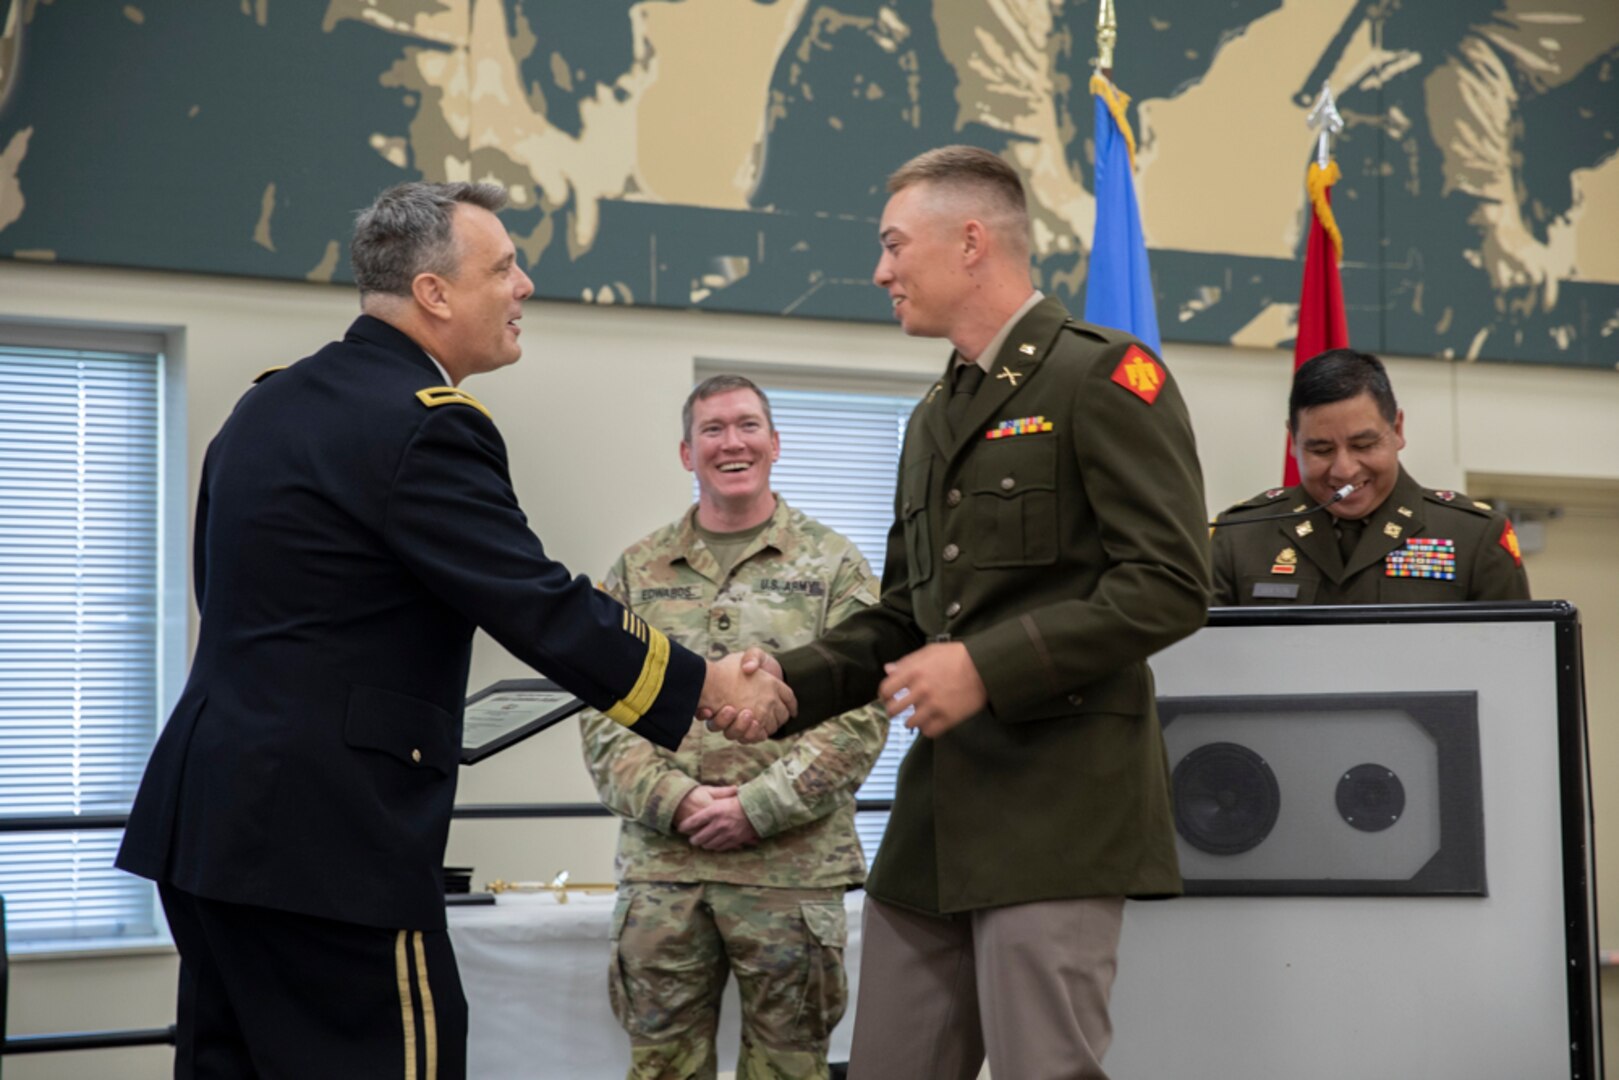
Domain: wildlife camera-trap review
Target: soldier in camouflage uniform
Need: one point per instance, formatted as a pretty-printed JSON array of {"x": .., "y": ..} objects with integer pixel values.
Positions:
[
  {"x": 1389, "y": 542},
  {"x": 731, "y": 857}
]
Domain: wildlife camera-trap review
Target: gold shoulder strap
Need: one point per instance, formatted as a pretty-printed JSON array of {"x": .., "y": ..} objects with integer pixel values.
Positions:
[{"x": 434, "y": 396}]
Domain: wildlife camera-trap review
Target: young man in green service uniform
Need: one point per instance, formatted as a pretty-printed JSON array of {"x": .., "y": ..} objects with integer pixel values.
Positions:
[
  {"x": 1050, "y": 537},
  {"x": 1389, "y": 541},
  {"x": 735, "y": 858}
]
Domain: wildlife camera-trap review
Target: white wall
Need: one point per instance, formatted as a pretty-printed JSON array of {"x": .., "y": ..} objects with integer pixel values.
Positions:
[{"x": 591, "y": 419}]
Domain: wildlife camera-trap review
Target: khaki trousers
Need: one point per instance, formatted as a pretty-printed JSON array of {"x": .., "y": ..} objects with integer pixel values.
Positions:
[{"x": 1029, "y": 984}]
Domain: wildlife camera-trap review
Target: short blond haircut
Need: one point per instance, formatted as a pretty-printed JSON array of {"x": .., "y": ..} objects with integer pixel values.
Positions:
[{"x": 976, "y": 173}]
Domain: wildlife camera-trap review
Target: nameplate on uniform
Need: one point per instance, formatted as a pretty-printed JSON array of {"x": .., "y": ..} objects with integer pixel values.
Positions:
[
  {"x": 1276, "y": 590},
  {"x": 507, "y": 712},
  {"x": 669, "y": 592}
]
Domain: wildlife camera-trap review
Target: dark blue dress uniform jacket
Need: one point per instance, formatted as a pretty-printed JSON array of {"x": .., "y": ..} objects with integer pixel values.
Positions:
[{"x": 349, "y": 538}]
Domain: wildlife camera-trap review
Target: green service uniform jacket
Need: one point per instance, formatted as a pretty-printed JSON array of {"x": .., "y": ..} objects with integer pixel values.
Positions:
[
  {"x": 1059, "y": 535},
  {"x": 1419, "y": 547}
]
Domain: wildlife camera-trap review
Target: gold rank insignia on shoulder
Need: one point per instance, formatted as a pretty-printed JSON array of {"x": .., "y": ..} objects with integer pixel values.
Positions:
[
  {"x": 434, "y": 396},
  {"x": 933, "y": 393},
  {"x": 266, "y": 373},
  {"x": 1287, "y": 562},
  {"x": 1482, "y": 505},
  {"x": 1304, "y": 528},
  {"x": 1301, "y": 508}
]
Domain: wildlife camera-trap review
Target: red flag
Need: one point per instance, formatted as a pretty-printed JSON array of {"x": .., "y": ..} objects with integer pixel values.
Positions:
[{"x": 1321, "y": 301}]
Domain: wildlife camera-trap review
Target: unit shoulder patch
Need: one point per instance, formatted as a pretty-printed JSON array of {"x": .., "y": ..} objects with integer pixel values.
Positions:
[
  {"x": 1140, "y": 374},
  {"x": 1509, "y": 541},
  {"x": 434, "y": 396}
]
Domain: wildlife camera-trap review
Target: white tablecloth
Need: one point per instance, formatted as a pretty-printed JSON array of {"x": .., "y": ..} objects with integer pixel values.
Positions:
[{"x": 535, "y": 975}]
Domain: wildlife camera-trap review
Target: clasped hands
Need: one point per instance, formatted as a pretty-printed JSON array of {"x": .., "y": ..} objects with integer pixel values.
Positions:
[
  {"x": 711, "y": 817},
  {"x": 748, "y": 705},
  {"x": 939, "y": 683}
]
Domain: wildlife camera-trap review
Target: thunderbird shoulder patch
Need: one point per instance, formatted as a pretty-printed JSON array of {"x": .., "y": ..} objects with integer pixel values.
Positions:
[
  {"x": 1509, "y": 540},
  {"x": 1140, "y": 374},
  {"x": 434, "y": 396}
]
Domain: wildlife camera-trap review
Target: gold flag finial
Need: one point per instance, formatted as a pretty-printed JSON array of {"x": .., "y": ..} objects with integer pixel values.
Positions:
[{"x": 1107, "y": 35}]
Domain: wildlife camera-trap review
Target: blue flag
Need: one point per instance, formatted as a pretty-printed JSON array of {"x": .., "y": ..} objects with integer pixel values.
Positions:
[{"x": 1118, "y": 287}]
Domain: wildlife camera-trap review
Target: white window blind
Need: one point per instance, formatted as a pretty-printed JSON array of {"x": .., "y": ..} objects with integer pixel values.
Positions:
[
  {"x": 839, "y": 458},
  {"x": 80, "y": 473}
]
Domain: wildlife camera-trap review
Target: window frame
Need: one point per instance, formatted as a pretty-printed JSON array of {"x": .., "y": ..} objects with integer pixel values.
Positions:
[{"x": 171, "y": 627}]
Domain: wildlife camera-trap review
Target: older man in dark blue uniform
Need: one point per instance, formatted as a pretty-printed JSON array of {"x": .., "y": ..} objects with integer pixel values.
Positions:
[{"x": 355, "y": 523}]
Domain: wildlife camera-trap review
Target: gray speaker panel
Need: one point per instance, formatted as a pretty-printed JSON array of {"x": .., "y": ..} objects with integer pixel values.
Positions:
[{"x": 1309, "y": 753}]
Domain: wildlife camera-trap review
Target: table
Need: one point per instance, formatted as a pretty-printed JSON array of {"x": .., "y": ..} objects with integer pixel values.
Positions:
[{"x": 535, "y": 974}]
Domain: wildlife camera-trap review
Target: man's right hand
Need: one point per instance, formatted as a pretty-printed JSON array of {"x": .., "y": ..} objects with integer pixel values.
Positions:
[
  {"x": 699, "y": 798},
  {"x": 747, "y": 707}
]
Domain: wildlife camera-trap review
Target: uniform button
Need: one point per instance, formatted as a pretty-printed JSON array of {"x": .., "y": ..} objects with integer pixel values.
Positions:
[
  {"x": 416, "y": 756},
  {"x": 724, "y": 622},
  {"x": 906, "y": 509},
  {"x": 953, "y": 497},
  {"x": 1076, "y": 699},
  {"x": 952, "y": 609},
  {"x": 951, "y": 552},
  {"x": 717, "y": 651},
  {"x": 1007, "y": 483}
]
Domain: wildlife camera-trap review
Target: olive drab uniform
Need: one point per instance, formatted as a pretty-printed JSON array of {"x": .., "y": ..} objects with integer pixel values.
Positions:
[
  {"x": 1420, "y": 547},
  {"x": 1059, "y": 532},
  {"x": 772, "y": 912}
]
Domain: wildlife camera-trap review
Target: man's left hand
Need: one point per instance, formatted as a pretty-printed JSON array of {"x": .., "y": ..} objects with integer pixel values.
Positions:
[
  {"x": 940, "y": 682},
  {"x": 720, "y": 826}
]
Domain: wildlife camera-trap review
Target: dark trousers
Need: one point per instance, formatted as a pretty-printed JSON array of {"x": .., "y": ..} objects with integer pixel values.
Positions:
[{"x": 271, "y": 994}]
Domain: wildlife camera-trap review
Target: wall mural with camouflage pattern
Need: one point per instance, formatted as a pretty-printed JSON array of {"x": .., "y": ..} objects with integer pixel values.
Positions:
[{"x": 730, "y": 154}]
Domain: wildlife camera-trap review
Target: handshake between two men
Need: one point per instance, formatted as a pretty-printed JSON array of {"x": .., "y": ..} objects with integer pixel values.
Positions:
[{"x": 747, "y": 698}]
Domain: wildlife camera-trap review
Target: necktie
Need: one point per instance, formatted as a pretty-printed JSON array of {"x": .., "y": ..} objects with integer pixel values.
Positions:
[
  {"x": 1348, "y": 536},
  {"x": 968, "y": 377}
]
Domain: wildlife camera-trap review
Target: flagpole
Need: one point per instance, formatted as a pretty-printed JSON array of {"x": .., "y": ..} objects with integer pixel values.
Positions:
[{"x": 1107, "y": 36}]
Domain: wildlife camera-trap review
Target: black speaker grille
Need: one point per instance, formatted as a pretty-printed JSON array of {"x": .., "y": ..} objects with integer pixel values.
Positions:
[
  {"x": 1370, "y": 797},
  {"x": 1226, "y": 798}
]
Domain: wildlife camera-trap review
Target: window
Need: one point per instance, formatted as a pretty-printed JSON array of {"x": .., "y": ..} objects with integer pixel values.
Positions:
[
  {"x": 85, "y": 632},
  {"x": 840, "y": 454}
]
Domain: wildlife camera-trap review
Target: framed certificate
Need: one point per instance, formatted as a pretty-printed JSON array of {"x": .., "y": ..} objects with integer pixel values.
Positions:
[{"x": 509, "y": 711}]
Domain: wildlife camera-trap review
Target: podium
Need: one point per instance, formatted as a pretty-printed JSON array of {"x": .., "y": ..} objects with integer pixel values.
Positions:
[{"x": 1384, "y": 820}]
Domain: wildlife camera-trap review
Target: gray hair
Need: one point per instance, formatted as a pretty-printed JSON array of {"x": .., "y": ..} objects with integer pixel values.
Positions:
[
  {"x": 715, "y": 385},
  {"x": 407, "y": 232}
]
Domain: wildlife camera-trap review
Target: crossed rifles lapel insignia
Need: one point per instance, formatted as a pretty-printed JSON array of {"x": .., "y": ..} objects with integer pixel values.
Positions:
[{"x": 1009, "y": 375}]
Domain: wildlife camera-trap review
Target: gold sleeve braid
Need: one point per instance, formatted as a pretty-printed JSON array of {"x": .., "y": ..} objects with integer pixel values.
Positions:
[{"x": 650, "y": 683}]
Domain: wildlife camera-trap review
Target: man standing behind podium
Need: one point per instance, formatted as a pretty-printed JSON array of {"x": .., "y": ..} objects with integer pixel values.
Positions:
[
  {"x": 1050, "y": 536},
  {"x": 1389, "y": 541},
  {"x": 355, "y": 523}
]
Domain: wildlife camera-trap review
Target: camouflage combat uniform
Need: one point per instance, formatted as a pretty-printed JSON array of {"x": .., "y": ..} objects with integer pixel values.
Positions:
[{"x": 773, "y": 912}]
